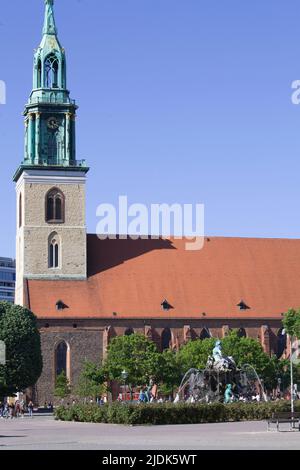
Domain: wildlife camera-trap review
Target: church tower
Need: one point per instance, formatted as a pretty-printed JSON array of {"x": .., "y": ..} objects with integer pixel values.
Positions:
[{"x": 50, "y": 182}]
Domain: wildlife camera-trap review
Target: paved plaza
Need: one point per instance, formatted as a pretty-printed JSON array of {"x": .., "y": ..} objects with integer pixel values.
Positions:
[{"x": 44, "y": 433}]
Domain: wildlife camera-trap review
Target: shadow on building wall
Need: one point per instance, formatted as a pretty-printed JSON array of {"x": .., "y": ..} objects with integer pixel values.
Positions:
[{"x": 106, "y": 254}]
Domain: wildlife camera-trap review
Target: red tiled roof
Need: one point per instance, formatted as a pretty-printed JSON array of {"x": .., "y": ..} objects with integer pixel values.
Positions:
[{"x": 133, "y": 278}]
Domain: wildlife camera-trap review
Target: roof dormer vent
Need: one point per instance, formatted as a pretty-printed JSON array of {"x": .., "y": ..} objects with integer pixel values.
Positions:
[
  {"x": 243, "y": 306},
  {"x": 166, "y": 306}
]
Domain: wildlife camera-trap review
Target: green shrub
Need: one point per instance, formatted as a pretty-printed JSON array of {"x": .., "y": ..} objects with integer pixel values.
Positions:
[{"x": 170, "y": 413}]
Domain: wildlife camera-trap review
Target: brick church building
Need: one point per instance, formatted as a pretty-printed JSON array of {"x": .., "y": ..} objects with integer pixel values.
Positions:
[{"x": 84, "y": 290}]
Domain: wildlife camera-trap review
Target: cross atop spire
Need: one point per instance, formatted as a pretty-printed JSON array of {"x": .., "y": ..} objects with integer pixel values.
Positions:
[{"x": 49, "y": 23}]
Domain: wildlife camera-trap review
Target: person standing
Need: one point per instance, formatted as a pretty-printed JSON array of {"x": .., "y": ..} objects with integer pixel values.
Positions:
[
  {"x": 6, "y": 410},
  {"x": 30, "y": 409},
  {"x": 141, "y": 396},
  {"x": 154, "y": 391},
  {"x": 17, "y": 409}
]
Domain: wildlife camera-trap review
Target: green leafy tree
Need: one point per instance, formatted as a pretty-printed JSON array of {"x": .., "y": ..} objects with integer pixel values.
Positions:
[
  {"x": 168, "y": 373},
  {"x": 135, "y": 354},
  {"x": 246, "y": 351},
  {"x": 91, "y": 381},
  {"x": 194, "y": 354},
  {"x": 18, "y": 330},
  {"x": 62, "y": 386},
  {"x": 291, "y": 322}
]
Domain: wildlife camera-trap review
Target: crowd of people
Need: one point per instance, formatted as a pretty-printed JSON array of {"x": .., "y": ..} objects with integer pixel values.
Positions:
[
  {"x": 17, "y": 409},
  {"x": 145, "y": 394}
]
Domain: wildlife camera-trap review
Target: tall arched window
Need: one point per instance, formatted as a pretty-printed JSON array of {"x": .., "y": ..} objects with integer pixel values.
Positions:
[
  {"x": 281, "y": 342},
  {"x": 205, "y": 334},
  {"x": 20, "y": 211},
  {"x": 55, "y": 207},
  {"x": 129, "y": 332},
  {"x": 242, "y": 333},
  {"x": 54, "y": 251},
  {"x": 166, "y": 339},
  {"x": 51, "y": 71},
  {"x": 39, "y": 73},
  {"x": 63, "y": 73},
  {"x": 61, "y": 355}
]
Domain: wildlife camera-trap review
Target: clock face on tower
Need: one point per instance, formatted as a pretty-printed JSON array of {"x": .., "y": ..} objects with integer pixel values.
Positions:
[{"x": 52, "y": 123}]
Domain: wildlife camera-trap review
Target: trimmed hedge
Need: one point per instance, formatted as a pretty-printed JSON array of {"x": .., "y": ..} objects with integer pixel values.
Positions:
[{"x": 168, "y": 413}]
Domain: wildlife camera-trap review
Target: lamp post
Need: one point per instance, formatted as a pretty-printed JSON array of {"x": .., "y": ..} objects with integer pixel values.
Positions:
[
  {"x": 291, "y": 369},
  {"x": 292, "y": 375},
  {"x": 124, "y": 377}
]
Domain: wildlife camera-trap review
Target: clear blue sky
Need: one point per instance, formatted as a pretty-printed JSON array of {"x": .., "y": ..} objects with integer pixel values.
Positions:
[{"x": 180, "y": 101}]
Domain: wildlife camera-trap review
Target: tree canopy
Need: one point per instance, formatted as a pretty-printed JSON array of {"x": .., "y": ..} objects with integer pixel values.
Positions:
[
  {"x": 245, "y": 351},
  {"x": 291, "y": 322},
  {"x": 18, "y": 330},
  {"x": 194, "y": 354},
  {"x": 62, "y": 386},
  {"x": 135, "y": 354},
  {"x": 139, "y": 357},
  {"x": 168, "y": 371},
  {"x": 91, "y": 381}
]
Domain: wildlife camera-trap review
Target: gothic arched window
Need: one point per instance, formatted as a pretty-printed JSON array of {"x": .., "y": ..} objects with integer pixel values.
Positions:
[
  {"x": 55, "y": 207},
  {"x": 63, "y": 68},
  {"x": 61, "y": 358},
  {"x": 205, "y": 334},
  {"x": 129, "y": 332},
  {"x": 242, "y": 333},
  {"x": 281, "y": 342},
  {"x": 39, "y": 73},
  {"x": 54, "y": 251},
  {"x": 166, "y": 339},
  {"x": 51, "y": 71}
]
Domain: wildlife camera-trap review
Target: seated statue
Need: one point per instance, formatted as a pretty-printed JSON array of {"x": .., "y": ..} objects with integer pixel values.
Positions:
[
  {"x": 217, "y": 351},
  {"x": 218, "y": 361}
]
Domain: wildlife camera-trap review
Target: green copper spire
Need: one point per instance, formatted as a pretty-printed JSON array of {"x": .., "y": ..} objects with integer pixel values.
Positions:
[
  {"x": 49, "y": 22},
  {"x": 50, "y": 114}
]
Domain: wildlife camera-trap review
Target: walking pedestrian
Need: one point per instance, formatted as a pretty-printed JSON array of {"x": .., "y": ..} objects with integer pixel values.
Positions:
[{"x": 6, "y": 410}]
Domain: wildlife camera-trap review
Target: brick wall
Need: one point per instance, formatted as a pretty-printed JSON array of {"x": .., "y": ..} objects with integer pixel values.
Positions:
[
  {"x": 83, "y": 344},
  {"x": 91, "y": 336}
]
